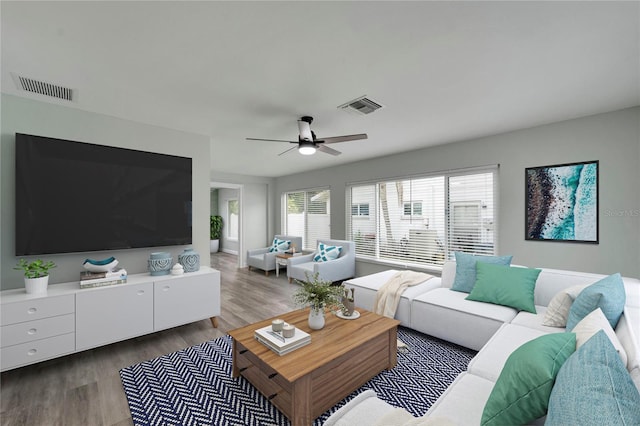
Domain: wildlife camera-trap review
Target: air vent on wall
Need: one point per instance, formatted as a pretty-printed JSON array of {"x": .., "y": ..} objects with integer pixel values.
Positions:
[
  {"x": 361, "y": 105},
  {"x": 43, "y": 88}
]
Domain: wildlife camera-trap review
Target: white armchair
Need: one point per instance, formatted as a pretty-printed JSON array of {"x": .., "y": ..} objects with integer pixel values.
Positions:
[
  {"x": 264, "y": 259},
  {"x": 339, "y": 269}
]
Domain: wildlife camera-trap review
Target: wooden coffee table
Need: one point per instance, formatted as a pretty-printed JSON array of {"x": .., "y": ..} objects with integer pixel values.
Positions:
[{"x": 305, "y": 383}]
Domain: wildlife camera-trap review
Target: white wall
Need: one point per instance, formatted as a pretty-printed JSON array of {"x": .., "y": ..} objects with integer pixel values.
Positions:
[
  {"x": 612, "y": 138},
  {"x": 39, "y": 118}
]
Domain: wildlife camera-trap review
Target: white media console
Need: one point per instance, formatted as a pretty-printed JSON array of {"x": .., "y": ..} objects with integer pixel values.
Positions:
[{"x": 67, "y": 319}]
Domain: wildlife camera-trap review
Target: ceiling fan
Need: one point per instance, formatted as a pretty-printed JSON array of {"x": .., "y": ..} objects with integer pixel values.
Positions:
[{"x": 308, "y": 143}]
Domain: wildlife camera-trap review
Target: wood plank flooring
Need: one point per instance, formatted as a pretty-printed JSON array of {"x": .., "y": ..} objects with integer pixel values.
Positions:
[{"x": 84, "y": 389}]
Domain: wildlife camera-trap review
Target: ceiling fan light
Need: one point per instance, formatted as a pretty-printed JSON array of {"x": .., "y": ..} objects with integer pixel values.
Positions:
[{"x": 307, "y": 149}]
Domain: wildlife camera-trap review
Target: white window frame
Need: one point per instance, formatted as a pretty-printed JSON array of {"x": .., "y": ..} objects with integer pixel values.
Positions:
[{"x": 229, "y": 227}]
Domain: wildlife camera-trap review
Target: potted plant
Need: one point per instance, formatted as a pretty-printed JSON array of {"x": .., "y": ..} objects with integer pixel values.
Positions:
[
  {"x": 215, "y": 231},
  {"x": 318, "y": 295},
  {"x": 36, "y": 274}
]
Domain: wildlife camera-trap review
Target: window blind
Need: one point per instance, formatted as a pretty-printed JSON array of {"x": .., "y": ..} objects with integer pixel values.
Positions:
[
  {"x": 423, "y": 220},
  {"x": 307, "y": 215}
]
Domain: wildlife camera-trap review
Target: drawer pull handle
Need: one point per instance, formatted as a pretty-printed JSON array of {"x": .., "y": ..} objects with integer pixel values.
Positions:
[
  {"x": 32, "y": 310},
  {"x": 271, "y": 376},
  {"x": 243, "y": 351},
  {"x": 270, "y": 397},
  {"x": 166, "y": 288},
  {"x": 32, "y": 331},
  {"x": 32, "y": 352},
  {"x": 140, "y": 292}
]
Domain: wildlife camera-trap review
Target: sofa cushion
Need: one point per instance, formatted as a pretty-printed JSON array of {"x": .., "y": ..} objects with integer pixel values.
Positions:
[
  {"x": 522, "y": 391},
  {"x": 489, "y": 362},
  {"x": 466, "y": 269},
  {"x": 279, "y": 245},
  {"x": 505, "y": 286},
  {"x": 366, "y": 407},
  {"x": 463, "y": 401},
  {"x": 593, "y": 323},
  {"x": 594, "y": 385},
  {"x": 326, "y": 253},
  {"x": 558, "y": 309},
  {"x": 607, "y": 294}
]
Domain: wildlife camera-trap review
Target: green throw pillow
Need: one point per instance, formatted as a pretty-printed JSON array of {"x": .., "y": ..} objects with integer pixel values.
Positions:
[
  {"x": 594, "y": 388},
  {"x": 466, "y": 269},
  {"x": 522, "y": 391},
  {"x": 607, "y": 294},
  {"x": 503, "y": 285}
]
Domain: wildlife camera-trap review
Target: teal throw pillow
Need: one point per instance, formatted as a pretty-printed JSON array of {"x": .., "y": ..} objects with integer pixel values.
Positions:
[
  {"x": 607, "y": 294},
  {"x": 594, "y": 388},
  {"x": 279, "y": 245},
  {"x": 503, "y": 285},
  {"x": 521, "y": 393},
  {"x": 466, "y": 269},
  {"x": 325, "y": 253}
]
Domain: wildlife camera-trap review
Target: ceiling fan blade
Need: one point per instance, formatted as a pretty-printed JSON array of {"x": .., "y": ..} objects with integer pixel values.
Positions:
[
  {"x": 290, "y": 149},
  {"x": 328, "y": 150},
  {"x": 270, "y": 140},
  {"x": 345, "y": 138}
]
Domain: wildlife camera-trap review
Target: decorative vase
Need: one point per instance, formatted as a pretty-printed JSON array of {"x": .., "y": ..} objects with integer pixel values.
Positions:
[
  {"x": 36, "y": 285},
  {"x": 316, "y": 318},
  {"x": 190, "y": 260},
  {"x": 160, "y": 263},
  {"x": 348, "y": 306}
]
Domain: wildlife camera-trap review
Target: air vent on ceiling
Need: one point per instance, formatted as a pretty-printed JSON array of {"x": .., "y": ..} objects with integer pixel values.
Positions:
[
  {"x": 43, "y": 88},
  {"x": 361, "y": 105}
]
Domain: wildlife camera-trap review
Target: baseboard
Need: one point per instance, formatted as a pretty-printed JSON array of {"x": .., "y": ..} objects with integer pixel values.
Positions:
[{"x": 230, "y": 251}]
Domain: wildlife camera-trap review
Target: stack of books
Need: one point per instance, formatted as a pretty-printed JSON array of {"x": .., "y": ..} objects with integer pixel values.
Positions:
[
  {"x": 90, "y": 279},
  {"x": 279, "y": 344}
]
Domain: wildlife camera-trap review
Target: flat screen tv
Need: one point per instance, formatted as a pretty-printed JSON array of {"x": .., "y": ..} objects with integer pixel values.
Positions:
[{"x": 80, "y": 197}]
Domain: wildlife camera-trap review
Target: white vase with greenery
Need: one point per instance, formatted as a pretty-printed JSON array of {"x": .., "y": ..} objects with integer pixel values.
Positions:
[
  {"x": 319, "y": 295},
  {"x": 36, "y": 274}
]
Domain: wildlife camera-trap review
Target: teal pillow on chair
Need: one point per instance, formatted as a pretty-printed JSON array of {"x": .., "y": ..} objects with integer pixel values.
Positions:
[
  {"x": 521, "y": 393},
  {"x": 279, "y": 245},
  {"x": 326, "y": 253},
  {"x": 594, "y": 388},
  {"x": 607, "y": 294},
  {"x": 466, "y": 269},
  {"x": 503, "y": 285}
]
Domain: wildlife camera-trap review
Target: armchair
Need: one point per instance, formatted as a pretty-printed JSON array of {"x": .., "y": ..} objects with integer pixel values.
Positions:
[
  {"x": 264, "y": 259},
  {"x": 331, "y": 270}
]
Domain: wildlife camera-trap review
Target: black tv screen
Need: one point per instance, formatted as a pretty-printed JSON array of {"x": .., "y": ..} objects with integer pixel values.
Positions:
[{"x": 77, "y": 197}]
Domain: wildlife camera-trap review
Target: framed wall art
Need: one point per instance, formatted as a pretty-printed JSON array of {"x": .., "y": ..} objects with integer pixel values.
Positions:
[{"x": 562, "y": 203}]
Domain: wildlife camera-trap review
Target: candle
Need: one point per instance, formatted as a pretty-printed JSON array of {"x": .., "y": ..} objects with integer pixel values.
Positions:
[
  {"x": 288, "y": 330},
  {"x": 276, "y": 324}
]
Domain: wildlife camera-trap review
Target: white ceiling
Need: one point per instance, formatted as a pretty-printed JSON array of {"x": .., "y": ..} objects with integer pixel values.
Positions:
[{"x": 444, "y": 71}]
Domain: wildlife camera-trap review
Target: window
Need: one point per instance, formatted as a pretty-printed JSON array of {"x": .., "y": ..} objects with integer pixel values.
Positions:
[
  {"x": 307, "y": 215},
  {"x": 423, "y": 220},
  {"x": 360, "y": 209},
  {"x": 232, "y": 219},
  {"x": 413, "y": 208}
]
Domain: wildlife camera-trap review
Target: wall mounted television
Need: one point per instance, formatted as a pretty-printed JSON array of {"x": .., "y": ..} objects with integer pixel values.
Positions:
[{"x": 80, "y": 197}]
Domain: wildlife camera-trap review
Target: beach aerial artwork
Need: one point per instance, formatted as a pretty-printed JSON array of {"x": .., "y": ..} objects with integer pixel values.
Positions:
[{"x": 562, "y": 202}]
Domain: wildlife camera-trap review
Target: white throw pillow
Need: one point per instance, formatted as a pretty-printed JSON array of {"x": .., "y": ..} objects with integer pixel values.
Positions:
[
  {"x": 593, "y": 323},
  {"x": 558, "y": 309}
]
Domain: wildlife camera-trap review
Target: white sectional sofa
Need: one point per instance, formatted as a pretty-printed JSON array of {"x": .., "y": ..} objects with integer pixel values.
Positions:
[{"x": 496, "y": 331}]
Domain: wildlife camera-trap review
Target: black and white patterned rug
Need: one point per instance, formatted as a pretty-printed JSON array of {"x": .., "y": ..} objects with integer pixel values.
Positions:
[{"x": 194, "y": 386}]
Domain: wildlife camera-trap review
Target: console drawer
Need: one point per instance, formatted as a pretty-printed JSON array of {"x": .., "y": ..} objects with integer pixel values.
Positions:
[
  {"x": 29, "y": 310},
  {"x": 39, "y": 329},
  {"x": 39, "y": 350}
]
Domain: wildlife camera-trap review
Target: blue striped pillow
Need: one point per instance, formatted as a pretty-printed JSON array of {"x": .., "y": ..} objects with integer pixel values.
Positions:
[{"x": 325, "y": 253}]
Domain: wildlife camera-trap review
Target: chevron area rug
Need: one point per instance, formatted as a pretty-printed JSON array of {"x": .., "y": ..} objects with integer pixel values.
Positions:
[{"x": 194, "y": 386}]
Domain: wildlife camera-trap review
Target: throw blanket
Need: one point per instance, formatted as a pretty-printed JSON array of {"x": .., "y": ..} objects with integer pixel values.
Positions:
[{"x": 388, "y": 296}]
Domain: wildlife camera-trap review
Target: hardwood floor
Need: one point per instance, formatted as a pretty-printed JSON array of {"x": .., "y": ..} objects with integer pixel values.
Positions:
[{"x": 84, "y": 389}]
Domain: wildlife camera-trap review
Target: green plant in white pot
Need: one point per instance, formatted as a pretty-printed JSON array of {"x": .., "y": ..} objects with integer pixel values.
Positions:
[
  {"x": 215, "y": 232},
  {"x": 36, "y": 274}
]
